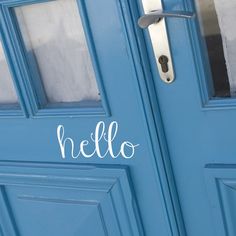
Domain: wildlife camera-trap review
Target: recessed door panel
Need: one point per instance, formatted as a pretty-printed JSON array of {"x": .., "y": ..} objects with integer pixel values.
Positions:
[
  {"x": 71, "y": 200},
  {"x": 221, "y": 187}
]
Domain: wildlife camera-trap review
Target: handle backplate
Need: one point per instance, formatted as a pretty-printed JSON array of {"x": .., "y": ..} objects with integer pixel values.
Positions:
[{"x": 159, "y": 39}]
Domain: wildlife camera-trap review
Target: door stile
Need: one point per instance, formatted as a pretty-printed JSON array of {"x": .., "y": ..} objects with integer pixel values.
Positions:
[{"x": 158, "y": 145}]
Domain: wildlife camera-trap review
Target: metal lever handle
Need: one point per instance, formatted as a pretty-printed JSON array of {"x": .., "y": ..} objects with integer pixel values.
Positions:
[{"x": 155, "y": 16}]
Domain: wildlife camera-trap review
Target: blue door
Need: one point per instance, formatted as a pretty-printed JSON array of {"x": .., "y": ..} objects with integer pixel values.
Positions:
[
  {"x": 198, "y": 110},
  {"x": 82, "y": 149}
]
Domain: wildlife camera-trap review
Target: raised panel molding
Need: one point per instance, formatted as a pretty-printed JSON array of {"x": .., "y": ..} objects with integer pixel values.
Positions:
[
  {"x": 221, "y": 187},
  {"x": 99, "y": 200}
]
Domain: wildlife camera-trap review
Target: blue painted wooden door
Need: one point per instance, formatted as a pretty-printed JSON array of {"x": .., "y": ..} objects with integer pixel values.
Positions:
[
  {"x": 199, "y": 127},
  {"x": 94, "y": 167}
]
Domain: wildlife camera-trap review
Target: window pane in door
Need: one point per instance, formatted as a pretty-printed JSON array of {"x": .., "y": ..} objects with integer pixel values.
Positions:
[
  {"x": 7, "y": 91},
  {"x": 57, "y": 50},
  {"x": 217, "y": 20}
]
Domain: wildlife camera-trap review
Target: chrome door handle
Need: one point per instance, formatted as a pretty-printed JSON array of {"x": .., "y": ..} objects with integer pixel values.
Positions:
[
  {"x": 155, "y": 21},
  {"x": 155, "y": 16}
]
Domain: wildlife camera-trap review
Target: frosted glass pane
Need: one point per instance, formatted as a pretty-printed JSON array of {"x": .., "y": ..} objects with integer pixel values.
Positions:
[
  {"x": 227, "y": 18},
  {"x": 54, "y": 38},
  {"x": 217, "y": 20},
  {"x": 7, "y": 91}
]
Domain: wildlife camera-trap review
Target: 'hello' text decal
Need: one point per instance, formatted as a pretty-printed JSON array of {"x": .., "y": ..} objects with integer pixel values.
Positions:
[{"x": 101, "y": 143}]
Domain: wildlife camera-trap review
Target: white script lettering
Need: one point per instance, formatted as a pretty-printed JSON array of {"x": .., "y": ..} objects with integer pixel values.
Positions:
[{"x": 97, "y": 139}]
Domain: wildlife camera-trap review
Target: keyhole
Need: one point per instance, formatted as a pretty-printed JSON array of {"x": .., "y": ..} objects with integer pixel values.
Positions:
[{"x": 163, "y": 60}]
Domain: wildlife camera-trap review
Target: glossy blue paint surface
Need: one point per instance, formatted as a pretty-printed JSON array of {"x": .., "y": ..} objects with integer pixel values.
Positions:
[
  {"x": 221, "y": 186},
  {"x": 69, "y": 196},
  {"x": 72, "y": 199}
]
